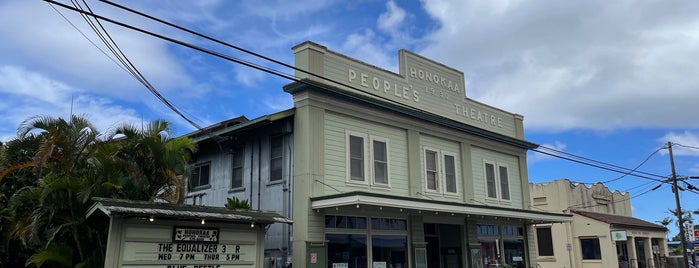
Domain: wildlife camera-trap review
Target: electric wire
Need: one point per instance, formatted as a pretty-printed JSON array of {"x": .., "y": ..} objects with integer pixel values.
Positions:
[
  {"x": 599, "y": 166},
  {"x": 590, "y": 162},
  {"x": 596, "y": 162}
]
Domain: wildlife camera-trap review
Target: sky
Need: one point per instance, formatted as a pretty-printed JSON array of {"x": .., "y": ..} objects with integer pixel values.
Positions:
[{"x": 611, "y": 81}]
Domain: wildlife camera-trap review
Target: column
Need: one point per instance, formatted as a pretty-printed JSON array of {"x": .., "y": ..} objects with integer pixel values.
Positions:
[
  {"x": 631, "y": 248},
  {"x": 647, "y": 248}
]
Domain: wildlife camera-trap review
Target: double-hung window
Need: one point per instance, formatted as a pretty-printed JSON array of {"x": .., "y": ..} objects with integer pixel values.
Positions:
[
  {"x": 497, "y": 181},
  {"x": 367, "y": 159},
  {"x": 200, "y": 175},
  {"x": 237, "y": 167},
  {"x": 441, "y": 172},
  {"x": 276, "y": 158}
]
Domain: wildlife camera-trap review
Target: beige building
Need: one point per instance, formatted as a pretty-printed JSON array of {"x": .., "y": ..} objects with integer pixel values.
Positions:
[{"x": 602, "y": 234}]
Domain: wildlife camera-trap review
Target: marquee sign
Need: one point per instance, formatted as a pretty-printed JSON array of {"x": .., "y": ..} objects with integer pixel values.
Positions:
[{"x": 421, "y": 84}]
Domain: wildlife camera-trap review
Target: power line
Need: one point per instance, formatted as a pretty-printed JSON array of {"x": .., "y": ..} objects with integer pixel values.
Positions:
[
  {"x": 571, "y": 157},
  {"x": 601, "y": 166}
]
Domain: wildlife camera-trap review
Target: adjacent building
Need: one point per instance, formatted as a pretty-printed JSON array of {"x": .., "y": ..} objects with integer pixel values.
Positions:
[
  {"x": 602, "y": 234},
  {"x": 378, "y": 169}
]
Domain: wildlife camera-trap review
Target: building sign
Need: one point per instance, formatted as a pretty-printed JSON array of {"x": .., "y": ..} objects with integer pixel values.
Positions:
[
  {"x": 195, "y": 235},
  {"x": 422, "y": 84},
  {"x": 618, "y": 235},
  {"x": 189, "y": 247}
]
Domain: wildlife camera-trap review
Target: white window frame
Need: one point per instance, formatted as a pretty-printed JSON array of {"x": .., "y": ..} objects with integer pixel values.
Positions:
[
  {"x": 373, "y": 160},
  {"x": 368, "y": 160},
  {"x": 441, "y": 171},
  {"x": 457, "y": 175},
  {"x": 437, "y": 166},
  {"x": 498, "y": 181}
]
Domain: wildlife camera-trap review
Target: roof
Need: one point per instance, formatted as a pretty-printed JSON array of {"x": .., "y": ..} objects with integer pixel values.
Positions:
[
  {"x": 113, "y": 207},
  {"x": 620, "y": 221},
  {"x": 358, "y": 198},
  {"x": 237, "y": 124}
]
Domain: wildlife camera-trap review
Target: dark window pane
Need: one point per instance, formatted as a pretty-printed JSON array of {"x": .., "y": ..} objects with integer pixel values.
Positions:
[
  {"x": 544, "y": 241},
  {"x": 504, "y": 183},
  {"x": 389, "y": 250},
  {"x": 356, "y": 158},
  {"x": 348, "y": 249},
  {"x": 276, "y": 159},
  {"x": 590, "y": 249},
  {"x": 237, "y": 168},
  {"x": 380, "y": 162},
  {"x": 450, "y": 173},
  {"x": 329, "y": 221},
  {"x": 431, "y": 170},
  {"x": 490, "y": 180}
]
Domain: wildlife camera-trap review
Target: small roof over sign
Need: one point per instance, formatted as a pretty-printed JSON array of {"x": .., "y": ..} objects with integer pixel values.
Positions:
[{"x": 112, "y": 207}]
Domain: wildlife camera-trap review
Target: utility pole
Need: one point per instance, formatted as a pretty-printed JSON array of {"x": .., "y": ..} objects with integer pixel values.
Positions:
[{"x": 683, "y": 237}]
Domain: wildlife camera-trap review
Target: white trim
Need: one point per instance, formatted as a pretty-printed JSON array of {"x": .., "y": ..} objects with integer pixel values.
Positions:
[
  {"x": 499, "y": 180},
  {"x": 437, "y": 166},
  {"x": 447, "y": 208},
  {"x": 373, "y": 138},
  {"x": 457, "y": 174},
  {"x": 348, "y": 167},
  {"x": 495, "y": 178}
]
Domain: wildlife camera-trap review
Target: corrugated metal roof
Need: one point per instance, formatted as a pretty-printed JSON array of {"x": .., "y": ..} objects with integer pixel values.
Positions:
[{"x": 111, "y": 207}]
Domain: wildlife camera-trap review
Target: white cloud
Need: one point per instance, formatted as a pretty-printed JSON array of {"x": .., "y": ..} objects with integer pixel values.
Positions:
[
  {"x": 684, "y": 143},
  {"x": 571, "y": 65},
  {"x": 537, "y": 156},
  {"x": 28, "y": 94},
  {"x": 392, "y": 19}
]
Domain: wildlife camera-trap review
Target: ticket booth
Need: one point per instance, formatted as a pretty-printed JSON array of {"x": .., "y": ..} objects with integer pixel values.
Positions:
[{"x": 145, "y": 234}]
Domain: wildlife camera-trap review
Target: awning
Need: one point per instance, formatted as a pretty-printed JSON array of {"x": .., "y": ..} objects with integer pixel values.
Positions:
[
  {"x": 409, "y": 203},
  {"x": 112, "y": 207}
]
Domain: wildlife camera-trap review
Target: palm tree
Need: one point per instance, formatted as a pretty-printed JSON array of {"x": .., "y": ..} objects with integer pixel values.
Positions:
[
  {"x": 52, "y": 208},
  {"x": 70, "y": 164},
  {"x": 153, "y": 161}
]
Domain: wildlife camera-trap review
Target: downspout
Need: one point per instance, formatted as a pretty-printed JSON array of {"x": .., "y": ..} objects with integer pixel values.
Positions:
[
  {"x": 259, "y": 169},
  {"x": 252, "y": 164}
]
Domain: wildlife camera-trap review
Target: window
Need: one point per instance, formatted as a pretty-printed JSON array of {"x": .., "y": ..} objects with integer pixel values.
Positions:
[
  {"x": 276, "y": 158},
  {"x": 356, "y": 156},
  {"x": 497, "y": 183},
  {"x": 345, "y": 222},
  {"x": 431, "y": 170},
  {"x": 450, "y": 173},
  {"x": 380, "y": 156},
  {"x": 200, "y": 175},
  {"x": 367, "y": 159},
  {"x": 590, "y": 248},
  {"x": 441, "y": 172},
  {"x": 237, "y": 167},
  {"x": 490, "y": 180},
  {"x": 504, "y": 183},
  {"x": 544, "y": 241}
]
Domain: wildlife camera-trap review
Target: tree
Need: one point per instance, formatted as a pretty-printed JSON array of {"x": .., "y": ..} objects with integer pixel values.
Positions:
[
  {"x": 69, "y": 163},
  {"x": 153, "y": 161}
]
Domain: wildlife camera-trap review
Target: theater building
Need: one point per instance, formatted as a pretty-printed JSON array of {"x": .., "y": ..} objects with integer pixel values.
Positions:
[{"x": 378, "y": 169}]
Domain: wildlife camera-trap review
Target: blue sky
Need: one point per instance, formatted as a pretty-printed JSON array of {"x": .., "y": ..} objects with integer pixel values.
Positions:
[{"x": 611, "y": 81}]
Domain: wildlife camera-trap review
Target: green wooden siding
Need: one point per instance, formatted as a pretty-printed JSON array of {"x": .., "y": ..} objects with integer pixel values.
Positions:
[
  {"x": 478, "y": 157},
  {"x": 336, "y": 127}
]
